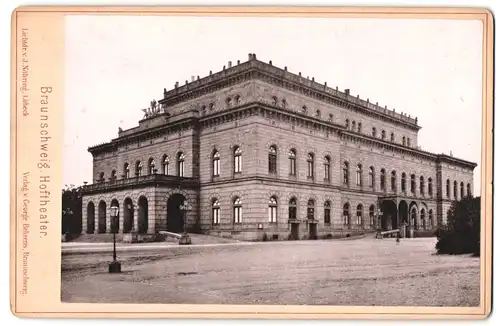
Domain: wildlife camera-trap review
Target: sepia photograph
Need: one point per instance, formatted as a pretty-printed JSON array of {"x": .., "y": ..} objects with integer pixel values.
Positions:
[{"x": 271, "y": 161}]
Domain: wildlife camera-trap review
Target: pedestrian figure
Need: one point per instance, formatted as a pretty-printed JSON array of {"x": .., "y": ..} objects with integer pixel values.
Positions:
[{"x": 397, "y": 238}]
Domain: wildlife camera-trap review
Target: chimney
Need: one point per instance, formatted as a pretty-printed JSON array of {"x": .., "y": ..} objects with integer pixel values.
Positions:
[
  {"x": 238, "y": 62},
  {"x": 254, "y": 56},
  {"x": 347, "y": 91},
  {"x": 229, "y": 64},
  {"x": 198, "y": 77},
  {"x": 313, "y": 79},
  {"x": 176, "y": 84},
  {"x": 192, "y": 78},
  {"x": 270, "y": 62},
  {"x": 210, "y": 72},
  {"x": 286, "y": 69},
  {"x": 250, "y": 57},
  {"x": 300, "y": 74}
]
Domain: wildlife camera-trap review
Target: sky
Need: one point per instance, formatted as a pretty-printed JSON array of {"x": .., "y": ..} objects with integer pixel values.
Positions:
[{"x": 115, "y": 65}]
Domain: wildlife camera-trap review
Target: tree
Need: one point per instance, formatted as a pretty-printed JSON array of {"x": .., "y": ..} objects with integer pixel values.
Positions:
[
  {"x": 461, "y": 235},
  {"x": 71, "y": 209}
]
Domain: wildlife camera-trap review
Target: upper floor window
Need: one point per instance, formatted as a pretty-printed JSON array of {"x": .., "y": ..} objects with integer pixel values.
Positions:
[
  {"x": 383, "y": 134},
  {"x": 393, "y": 181},
  {"x": 292, "y": 158},
  {"x": 215, "y": 211},
  {"x": 292, "y": 209},
  {"x": 422, "y": 186},
  {"x": 359, "y": 169},
  {"x": 318, "y": 114},
  {"x": 382, "y": 179},
  {"x": 237, "y": 159},
  {"x": 101, "y": 177},
  {"x": 273, "y": 210},
  {"x": 327, "y": 212},
  {"x": 310, "y": 209},
  {"x": 429, "y": 187},
  {"x": 403, "y": 182},
  {"x": 371, "y": 177},
  {"x": 272, "y": 157},
  {"x": 126, "y": 171},
  {"x": 113, "y": 175},
  {"x": 237, "y": 210},
  {"x": 138, "y": 168},
  {"x": 151, "y": 165},
  {"x": 461, "y": 190},
  {"x": 216, "y": 163},
  {"x": 374, "y": 132},
  {"x": 455, "y": 189},
  {"x": 359, "y": 126},
  {"x": 412, "y": 184},
  {"x": 237, "y": 98},
  {"x": 275, "y": 100},
  {"x": 330, "y": 117},
  {"x": 408, "y": 142},
  {"x": 326, "y": 165},
  {"x": 345, "y": 173},
  {"x": 469, "y": 192},
  {"x": 228, "y": 101},
  {"x": 284, "y": 104},
  {"x": 392, "y": 136},
  {"x": 304, "y": 109},
  {"x": 347, "y": 125},
  {"x": 165, "y": 165},
  {"x": 404, "y": 141},
  {"x": 180, "y": 164},
  {"x": 353, "y": 127},
  {"x": 310, "y": 166}
]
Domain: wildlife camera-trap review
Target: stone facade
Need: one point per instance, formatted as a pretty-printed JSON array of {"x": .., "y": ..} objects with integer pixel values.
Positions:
[{"x": 258, "y": 152}]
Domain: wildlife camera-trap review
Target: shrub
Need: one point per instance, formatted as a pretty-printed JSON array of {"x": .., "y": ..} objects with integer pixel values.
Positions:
[{"x": 461, "y": 235}]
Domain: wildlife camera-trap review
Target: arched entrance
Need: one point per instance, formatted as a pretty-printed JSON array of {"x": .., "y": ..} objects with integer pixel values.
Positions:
[
  {"x": 403, "y": 212},
  {"x": 114, "y": 225},
  {"x": 90, "y": 218},
  {"x": 128, "y": 215},
  {"x": 389, "y": 219},
  {"x": 102, "y": 217},
  {"x": 413, "y": 219},
  {"x": 175, "y": 217},
  {"x": 143, "y": 215}
]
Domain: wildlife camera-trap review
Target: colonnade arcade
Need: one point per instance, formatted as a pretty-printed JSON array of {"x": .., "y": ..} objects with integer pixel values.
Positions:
[{"x": 398, "y": 211}]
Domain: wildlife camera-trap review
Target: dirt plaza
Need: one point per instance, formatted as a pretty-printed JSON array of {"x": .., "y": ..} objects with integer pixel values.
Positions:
[{"x": 357, "y": 272}]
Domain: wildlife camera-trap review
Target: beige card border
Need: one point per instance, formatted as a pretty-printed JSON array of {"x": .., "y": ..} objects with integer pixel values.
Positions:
[{"x": 246, "y": 311}]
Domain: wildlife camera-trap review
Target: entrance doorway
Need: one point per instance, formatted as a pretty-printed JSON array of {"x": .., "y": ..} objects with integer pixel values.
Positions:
[
  {"x": 294, "y": 235},
  {"x": 175, "y": 217},
  {"x": 313, "y": 231},
  {"x": 143, "y": 215}
]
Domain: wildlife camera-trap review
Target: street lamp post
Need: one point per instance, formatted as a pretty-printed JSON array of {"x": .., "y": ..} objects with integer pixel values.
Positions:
[
  {"x": 114, "y": 266},
  {"x": 185, "y": 238}
]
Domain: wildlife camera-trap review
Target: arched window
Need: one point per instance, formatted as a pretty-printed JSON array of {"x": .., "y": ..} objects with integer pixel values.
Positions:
[
  {"x": 304, "y": 109},
  {"x": 237, "y": 213},
  {"x": 374, "y": 132},
  {"x": 326, "y": 165},
  {"x": 216, "y": 163},
  {"x": 429, "y": 187},
  {"x": 422, "y": 186},
  {"x": 292, "y": 209},
  {"x": 275, "y": 101},
  {"x": 345, "y": 173},
  {"x": 382, "y": 179},
  {"x": 310, "y": 209},
  {"x": 228, "y": 101},
  {"x": 448, "y": 188},
  {"x": 138, "y": 168},
  {"x": 318, "y": 114},
  {"x": 413, "y": 218},
  {"x": 359, "y": 215},
  {"x": 180, "y": 164},
  {"x": 359, "y": 126},
  {"x": 353, "y": 127},
  {"x": 347, "y": 125},
  {"x": 126, "y": 171},
  {"x": 310, "y": 166},
  {"x": 422, "y": 218},
  {"x": 237, "y": 159},
  {"x": 359, "y": 169},
  {"x": 461, "y": 190},
  {"x": 165, "y": 162},
  {"x": 431, "y": 218},
  {"x": 392, "y": 136},
  {"x": 327, "y": 212},
  {"x": 455, "y": 189},
  {"x": 151, "y": 166},
  {"x": 403, "y": 182},
  {"x": 292, "y": 158},
  {"x": 408, "y": 142},
  {"x": 101, "y": 177},
  {"x": 469, "y": 192},
  {"x": 372, "y": 215},
  {"x": 404, "y": 141},
  {"x": 113, "y": 175},
  {"x": 237, "y": 98},
  {"x": 371, "y": 177},
  {"x": 383, "y": 134},
  {"x": 215, "y": 211},
  {"x": 330, "y": 117},
  {"x": 273, "y": 156},
  {"x": 346, "y": 215},
  {"x": 393, "y": 181},
  {"x": 412, "y": 184},
  {"x": 273, "y": 210},
  {"x": 284, "y": 103}
]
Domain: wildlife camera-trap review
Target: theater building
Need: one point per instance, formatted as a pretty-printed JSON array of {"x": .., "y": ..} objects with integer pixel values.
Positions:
[{"x": 258, "y": 152}]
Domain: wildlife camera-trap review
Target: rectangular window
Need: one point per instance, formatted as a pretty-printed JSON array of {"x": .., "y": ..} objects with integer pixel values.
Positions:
[
  {"x": 273, "y": 214},
  {"x": 216, "y": 215},
  {"x": 216, "y": 167},
  {"x": 237, "y": 164},
  {"x": 272, "y": 164},
  {"x": 237, "y": 214},
  {"x": 327, "y": 216}
]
